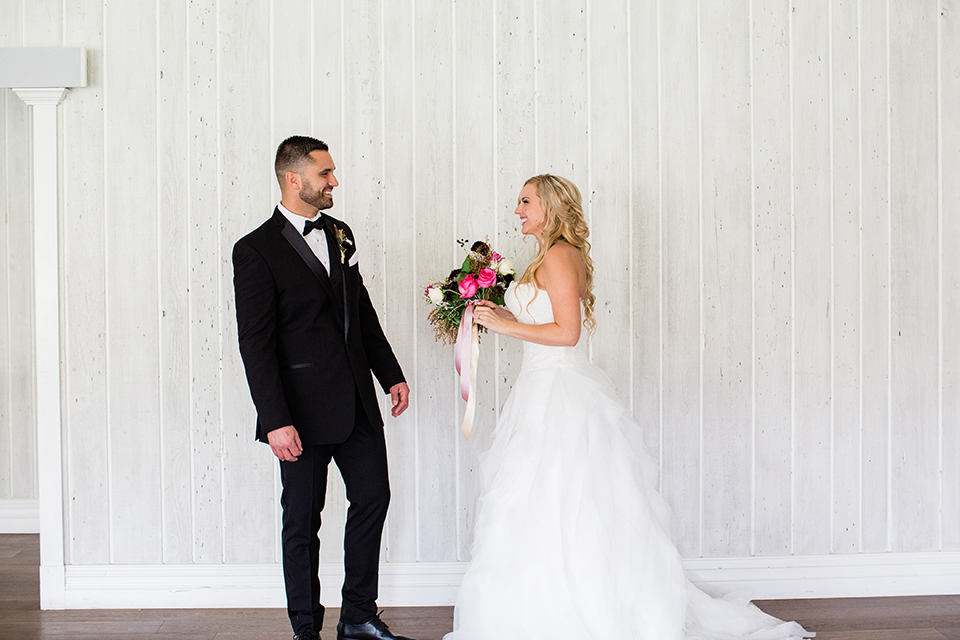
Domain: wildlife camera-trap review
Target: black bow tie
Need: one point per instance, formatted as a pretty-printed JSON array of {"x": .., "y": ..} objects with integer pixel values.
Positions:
[{"x": 310, "y": 225}]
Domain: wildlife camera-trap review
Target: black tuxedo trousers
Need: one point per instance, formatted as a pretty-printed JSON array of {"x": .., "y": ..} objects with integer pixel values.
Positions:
[{"x": 362, "y": 460}]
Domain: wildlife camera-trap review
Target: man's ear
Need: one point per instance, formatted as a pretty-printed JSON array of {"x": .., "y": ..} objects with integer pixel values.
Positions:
[{"x": 293, "y": 180}]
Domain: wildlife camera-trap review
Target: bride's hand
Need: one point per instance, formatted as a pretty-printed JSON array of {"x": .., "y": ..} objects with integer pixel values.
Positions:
[
  {"x": 500, "y": 311},
  {"x": 493, "y": 317}
]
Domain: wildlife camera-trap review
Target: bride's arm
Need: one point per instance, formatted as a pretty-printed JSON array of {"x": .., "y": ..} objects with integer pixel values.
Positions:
[{"x": 560, "y": 274}]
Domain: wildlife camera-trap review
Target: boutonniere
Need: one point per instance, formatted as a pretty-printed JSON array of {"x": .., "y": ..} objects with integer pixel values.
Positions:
[{"x": 343, "y": 243}]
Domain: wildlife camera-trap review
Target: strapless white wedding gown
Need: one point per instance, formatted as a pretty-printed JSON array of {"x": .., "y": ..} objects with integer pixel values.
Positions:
[{"x": 571, "y": 536}]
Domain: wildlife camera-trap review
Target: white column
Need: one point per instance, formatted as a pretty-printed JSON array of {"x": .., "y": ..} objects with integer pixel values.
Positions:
[{"x": 46, "y": 279}]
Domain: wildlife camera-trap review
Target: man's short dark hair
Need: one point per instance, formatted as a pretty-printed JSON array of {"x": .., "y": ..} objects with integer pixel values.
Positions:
[{"x": 293, "y": 151}]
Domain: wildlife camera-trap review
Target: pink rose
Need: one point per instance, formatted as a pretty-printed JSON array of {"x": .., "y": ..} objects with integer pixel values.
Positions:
[
  {"x": 468, "y": 286},
  {"x": 487, "y": 278}
]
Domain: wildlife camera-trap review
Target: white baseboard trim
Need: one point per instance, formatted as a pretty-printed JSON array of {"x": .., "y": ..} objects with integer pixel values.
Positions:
[
  {"x": 19, "y": 516},
  {"x": 435, "y": 584},
  {"x": 245, "y": 585},
  {"x": 831, "y": 576}
]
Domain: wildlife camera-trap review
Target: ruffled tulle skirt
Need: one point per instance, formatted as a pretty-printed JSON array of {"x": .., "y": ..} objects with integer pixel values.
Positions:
[{"x": 571, "y": 539}]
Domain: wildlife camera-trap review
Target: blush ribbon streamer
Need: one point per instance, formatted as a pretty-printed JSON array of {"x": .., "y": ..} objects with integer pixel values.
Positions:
[{"x": 465, "y": 355}]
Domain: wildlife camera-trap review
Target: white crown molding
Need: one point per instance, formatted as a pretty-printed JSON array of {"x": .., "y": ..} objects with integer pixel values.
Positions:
[
  {"x": 19, "y": 516},
  {"x": 41, "y": 97},
  {"x": 436, "y": 584}
]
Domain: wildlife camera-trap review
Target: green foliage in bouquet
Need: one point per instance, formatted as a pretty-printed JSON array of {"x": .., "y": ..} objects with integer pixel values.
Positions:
[{"x": 484, "y": 275}]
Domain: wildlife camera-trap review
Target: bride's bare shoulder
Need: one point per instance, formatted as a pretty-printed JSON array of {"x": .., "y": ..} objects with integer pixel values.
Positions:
[
  {"x": 562, "y": 254},
  {"x": 562, "y": 263}
]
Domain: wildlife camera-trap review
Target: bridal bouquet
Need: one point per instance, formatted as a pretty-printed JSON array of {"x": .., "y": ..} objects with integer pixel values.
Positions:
[{"x": 484, "y": 275}]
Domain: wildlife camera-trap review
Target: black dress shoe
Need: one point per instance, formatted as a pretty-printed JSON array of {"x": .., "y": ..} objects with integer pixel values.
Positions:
[
  {"x": 372, "y": 629},
  {"x": 309, "y": 634}
]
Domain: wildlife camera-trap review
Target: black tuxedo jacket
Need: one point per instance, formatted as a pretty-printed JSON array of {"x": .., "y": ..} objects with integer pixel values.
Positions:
[{"x": 308, "y": 340}]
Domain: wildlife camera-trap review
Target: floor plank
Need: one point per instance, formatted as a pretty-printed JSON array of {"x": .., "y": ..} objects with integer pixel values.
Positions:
[{"x": 895, "y": 634}]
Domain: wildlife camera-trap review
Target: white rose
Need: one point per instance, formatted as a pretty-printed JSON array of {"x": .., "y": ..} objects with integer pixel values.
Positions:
[
  {"x": 435, "y": 295},
  {"x": 505, "y": 268}
]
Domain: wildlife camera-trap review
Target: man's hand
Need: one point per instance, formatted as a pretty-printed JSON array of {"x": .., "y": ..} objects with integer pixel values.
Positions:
[
  {"x": 400, "y": 396},
  {"x": 285, "y": 443}
]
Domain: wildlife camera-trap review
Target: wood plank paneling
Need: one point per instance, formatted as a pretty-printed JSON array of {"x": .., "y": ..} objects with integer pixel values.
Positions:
[
  {"x": 10, "y": 36},
  {"x": 20, "y": 444},
  {"x": 293, "y": 69},
  {"x": 645, "y": 215},
  {"x": 42, "y": 23},
  {"x": 727, "y": 278},
  {"x": 402, "y": 311},
  {"x": 437, "y": 403},
  {"x": 773, "y": 285},
  {"x": 607, "y": 194},
  {"x": 329, "y": 74},
  {"x": 845, "y": 223},
  {"x": 6, "y": 476},
  {"x": 875, "y": 269},
  {"x": 950, "y": 271},
  {"x": 811, "y": 274},
  {"x": 205, "y": 318},
  {"x": 130, "y": 166},
  {"x": 87, "y": 492},
  {"x": 174, "y": 211},
  {"x": 562, "y": 84},
  {"x": 22, "y": 408},
  {"x": 680, "y": 137},
  {"x": 915, "y": 474}
]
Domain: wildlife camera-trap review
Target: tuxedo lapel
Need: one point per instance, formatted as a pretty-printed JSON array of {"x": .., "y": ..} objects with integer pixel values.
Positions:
[
  {"x": 295, "y": 239},
  {"x": 338, "y": 272}
]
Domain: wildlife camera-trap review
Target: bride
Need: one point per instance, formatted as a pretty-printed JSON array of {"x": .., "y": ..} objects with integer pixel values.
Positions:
[{"x": 571, "y": 537}]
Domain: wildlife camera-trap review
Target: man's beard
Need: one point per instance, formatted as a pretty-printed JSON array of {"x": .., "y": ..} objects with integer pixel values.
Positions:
[{"x": 315, "y": 199}]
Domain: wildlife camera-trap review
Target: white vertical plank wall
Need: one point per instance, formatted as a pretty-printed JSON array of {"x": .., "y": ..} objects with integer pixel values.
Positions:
[
  {"x": 811, "y": 275},
  {"x": 132, "y": 270},
  {"x": 875, "y": 269},
  {"x": 402, "y": 311},
  {"x": 18, "y": 440},
  {"x": 845, "y": 261},
  {"x": 726, "y": 277},
  {"x": 645, "y": 223},
  {"x": 772, "y": 267},
  {"x": 435, "y": 399},
  {"x": 87, "y": 512},
  {"x": 949, "y": 228},
  {"x": 175, "y": 260},
  {"x": 204, "y": 435},
  {"x": 915, "y": 368},
  {"x": 10, "y": 37},
  {"x": 774, "y": 211},
  {"x": 680, "y": 243}
]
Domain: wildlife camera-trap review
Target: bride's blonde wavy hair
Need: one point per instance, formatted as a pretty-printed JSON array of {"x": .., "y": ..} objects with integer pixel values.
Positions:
[{"x": 563, "y": 221}]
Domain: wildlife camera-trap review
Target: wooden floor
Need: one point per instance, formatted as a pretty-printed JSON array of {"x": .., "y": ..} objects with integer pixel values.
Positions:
[{"x": 917, "y": 618}]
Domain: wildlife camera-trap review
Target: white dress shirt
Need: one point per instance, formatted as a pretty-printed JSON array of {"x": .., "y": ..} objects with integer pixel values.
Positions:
[{"x": 316, "y": 239}]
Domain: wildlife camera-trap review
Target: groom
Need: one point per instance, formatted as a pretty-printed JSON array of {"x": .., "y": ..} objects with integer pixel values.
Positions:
[{"x": 309, "y": 339}]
